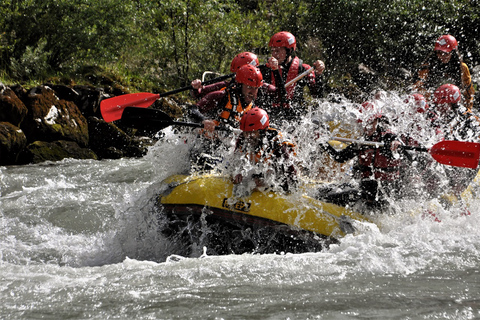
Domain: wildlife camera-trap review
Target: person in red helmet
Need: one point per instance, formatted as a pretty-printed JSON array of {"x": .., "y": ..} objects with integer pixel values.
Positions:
[
  {"x": 453, "y": 121},
  {"x": 223, "y": 108},
  {"x": 377, "y": 169},
  {"x": 450, "y": 117},
  {"x": 267, "y": 92},
  {"x": 226, "y": 106},
  {"x": 445, "y": 65},
  {"x": 262, "y": 156},
  {"x": 283, "y": 46}
]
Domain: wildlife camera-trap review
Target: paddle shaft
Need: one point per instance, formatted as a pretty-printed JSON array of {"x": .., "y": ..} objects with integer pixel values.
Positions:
[
  {"x": 378, "y": 144},
  {"x": 215, "y": 80},
  {"x": 300, "y": 76},
  {"x": 169, "y": 93},
  {"x": 463, "y": 154},
  {"x": 112, "y": 108},
  {"x": 141, "y": 117}
]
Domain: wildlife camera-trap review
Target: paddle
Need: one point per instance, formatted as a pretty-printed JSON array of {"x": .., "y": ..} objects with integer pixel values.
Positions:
[
  {"x": 112, "y": 108},
  {"x": 450, "y": 152},
  {"x": 154, "y": 120}
]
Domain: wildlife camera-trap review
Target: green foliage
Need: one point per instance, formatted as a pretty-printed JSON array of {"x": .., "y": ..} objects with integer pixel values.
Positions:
[
  {"x": 164, "y": 44},
  {"x": 33, "y": 63}
]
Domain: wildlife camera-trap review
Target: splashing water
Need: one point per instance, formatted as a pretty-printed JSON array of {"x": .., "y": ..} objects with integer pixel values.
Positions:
[{"x": 79, "y": 239}]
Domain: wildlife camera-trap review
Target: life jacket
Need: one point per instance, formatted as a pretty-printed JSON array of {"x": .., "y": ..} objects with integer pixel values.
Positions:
[
  {"x": 375, "y": 163},
  {"x": 292, "y": 74},
  {"x": 233, "y": 110}
]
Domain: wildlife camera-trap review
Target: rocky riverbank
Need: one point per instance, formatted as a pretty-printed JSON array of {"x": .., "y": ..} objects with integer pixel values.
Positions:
[{"x": 53, "y": 122}]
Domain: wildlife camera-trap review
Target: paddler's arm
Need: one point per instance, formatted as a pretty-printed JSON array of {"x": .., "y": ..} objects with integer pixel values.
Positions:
[
  {"x": 280, "y": 91},
  {"x": 206, "y": 108},
  {"x": 199, "y": 90},
  {"x": 350, "y": 152},
  {"x": 314, "y": 82}
]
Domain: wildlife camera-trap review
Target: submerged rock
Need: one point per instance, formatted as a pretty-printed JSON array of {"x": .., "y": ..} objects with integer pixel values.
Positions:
[{"x": 40, "y": 151}]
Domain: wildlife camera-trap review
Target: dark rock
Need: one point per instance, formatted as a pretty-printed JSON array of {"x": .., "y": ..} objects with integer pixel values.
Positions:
[
  {"x": 88, "y": 100},
  {"x": 12, "y": 108},
  {"x": 64, "y": 92},
  {"x": 169, "y": 106},
  {"x": 20, "y": 91},
  {"x": 109, "y": 141},
  {"x": 40, "y": 151},
  {"x": 12, "y": 141},
  {"x": 51, "y": 119}
]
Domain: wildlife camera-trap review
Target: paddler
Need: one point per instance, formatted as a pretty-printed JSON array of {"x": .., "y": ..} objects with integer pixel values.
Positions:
[
  {"x": 226, "y": 106},
  {"x": 263, "y": 158},
  {"x": 283, "y": 46},
  {"x": 454, "y": 121},
  {"x": 224, "y": 109},
  {"x": 377, "y": 169}
]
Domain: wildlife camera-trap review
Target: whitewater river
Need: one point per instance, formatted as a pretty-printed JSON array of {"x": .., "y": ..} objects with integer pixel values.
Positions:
[{"x": 76, "y": 242}]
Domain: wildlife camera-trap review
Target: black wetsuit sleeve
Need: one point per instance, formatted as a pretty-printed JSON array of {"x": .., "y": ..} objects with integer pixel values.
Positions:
[
  {"x": 281, "y": 92},
  {"x": 195, "y": 114},
  {"x": 343, "y": 155}
]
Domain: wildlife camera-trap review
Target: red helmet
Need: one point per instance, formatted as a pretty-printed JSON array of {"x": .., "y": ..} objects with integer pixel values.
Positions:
[
  {"x": 418, "y": 101},
  {"x": 446, "y": 43},
  {"x": 254, "y": 119},
  {"x": 283, "y": 39},
  {"x": 249, "y": 75},
  {"x": 243, "y": 59},
  {"x": 447, "y": 93}
]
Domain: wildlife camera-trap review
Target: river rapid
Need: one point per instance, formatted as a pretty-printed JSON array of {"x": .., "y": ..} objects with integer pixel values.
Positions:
[{"x": 78, "y": 240}]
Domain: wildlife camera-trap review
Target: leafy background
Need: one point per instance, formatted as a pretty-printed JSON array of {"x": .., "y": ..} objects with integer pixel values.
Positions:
[{"x": 161, "y": 45}]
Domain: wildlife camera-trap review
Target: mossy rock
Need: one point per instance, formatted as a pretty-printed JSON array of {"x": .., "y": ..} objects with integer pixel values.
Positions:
[
  {"x": 12, "y": 109},
  {"x": 50, "y": 118},
  {"x": 12, "y": 141},
  {"x": 40, "y": 151}
]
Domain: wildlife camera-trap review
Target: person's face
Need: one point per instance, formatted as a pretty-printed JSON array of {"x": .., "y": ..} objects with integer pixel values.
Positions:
[
  {"x": 249, "y": 93},
  {"x": 279, "y": 53},
  {"x": 444, "y": 57}
]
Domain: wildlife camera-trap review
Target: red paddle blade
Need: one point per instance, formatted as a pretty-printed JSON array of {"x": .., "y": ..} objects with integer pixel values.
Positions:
[
  {"x": 112, "y": 108},
  {"x": 457, "y": 153}
]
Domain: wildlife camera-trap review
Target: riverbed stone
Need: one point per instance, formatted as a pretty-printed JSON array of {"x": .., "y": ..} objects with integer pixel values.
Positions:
[
  {"x": 40, "y": 151},
  {"x": 12, "y": 141},
  {"x": 51, "y": 119},
  {"x": 110, "y": 142},
  {"x": 12, "y": 109}
]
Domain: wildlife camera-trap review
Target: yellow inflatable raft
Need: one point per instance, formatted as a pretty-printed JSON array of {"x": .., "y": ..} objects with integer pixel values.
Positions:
[{"x": 202, "y": 210}]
